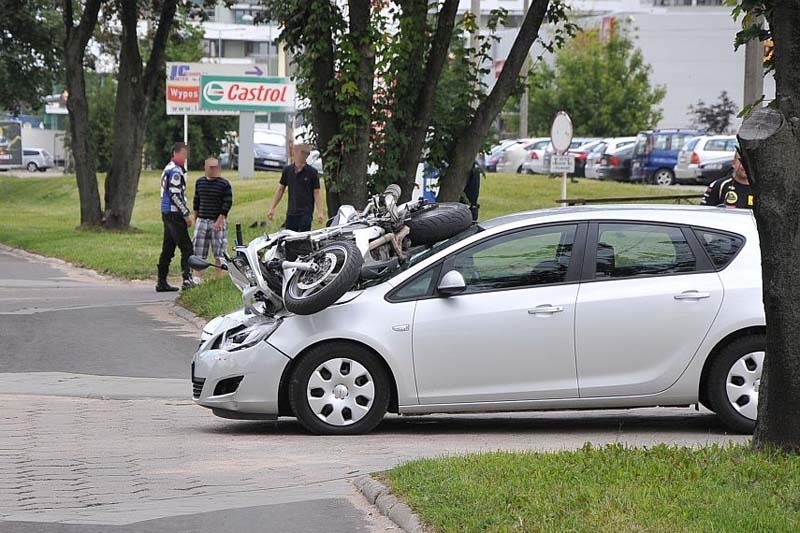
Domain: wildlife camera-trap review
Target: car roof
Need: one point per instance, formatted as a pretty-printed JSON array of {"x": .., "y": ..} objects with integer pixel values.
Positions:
[{"x": 698, "y": 215}]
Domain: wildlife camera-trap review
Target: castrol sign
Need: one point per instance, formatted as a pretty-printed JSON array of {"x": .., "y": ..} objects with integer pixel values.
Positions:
[{"x": 240, "y": 93}]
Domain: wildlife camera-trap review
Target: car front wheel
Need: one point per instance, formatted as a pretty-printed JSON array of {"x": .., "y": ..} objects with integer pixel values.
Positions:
[
  {"x": 32, "y": 167},
  {"x": 339, "y": 389},
  {"x": 734, "y": 381}
]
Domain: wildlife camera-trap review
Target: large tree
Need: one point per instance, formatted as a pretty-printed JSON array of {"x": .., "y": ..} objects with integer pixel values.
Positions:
[
  {"x": 371, "y": 71},
  {"x": 137, "y": 86},
  {"x": 76, "y": 38},
  {"x": 31, "y": 40},
  {"x": 770, "y": 139},
  {"x": 603, "y": 84}
]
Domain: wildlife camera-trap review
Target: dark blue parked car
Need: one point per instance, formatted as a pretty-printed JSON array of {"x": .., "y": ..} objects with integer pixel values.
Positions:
[{"x": 656, "y": 154}]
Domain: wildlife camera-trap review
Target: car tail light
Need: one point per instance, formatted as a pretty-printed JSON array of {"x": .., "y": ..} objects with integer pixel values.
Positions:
[
  {"x": 534, "y": 155},
  {"x": 695, "y": 159},
  {"x": 582, "y": 156},
  {"x": 613, "y": 161}
]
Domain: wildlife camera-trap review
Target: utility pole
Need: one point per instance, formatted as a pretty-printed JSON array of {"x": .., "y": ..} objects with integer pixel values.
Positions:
[{"x": 753, "y": 69}]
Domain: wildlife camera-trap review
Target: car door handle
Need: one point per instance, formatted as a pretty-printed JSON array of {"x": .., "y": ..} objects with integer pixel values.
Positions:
[
  {"x": 692, "y": 295},
  {"x": 545, "y": 310}
]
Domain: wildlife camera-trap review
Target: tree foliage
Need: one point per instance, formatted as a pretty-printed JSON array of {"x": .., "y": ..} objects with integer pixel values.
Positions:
[
  {"x": 31, "y": 52},
  {"x": 605, "y": 87},
  {"x": 715, "y": 118}
]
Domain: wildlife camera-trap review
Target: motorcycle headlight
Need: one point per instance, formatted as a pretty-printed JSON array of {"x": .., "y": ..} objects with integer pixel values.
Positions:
[{"x": 249, "y": 337}]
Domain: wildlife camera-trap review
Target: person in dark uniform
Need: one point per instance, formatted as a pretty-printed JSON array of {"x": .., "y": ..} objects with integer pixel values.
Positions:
[
  {"x": 733, "y": 191},
  {"x": 177, "y": 219},
  {"x": 304, "y": 195},
  {"x": 472, "y": 189}
]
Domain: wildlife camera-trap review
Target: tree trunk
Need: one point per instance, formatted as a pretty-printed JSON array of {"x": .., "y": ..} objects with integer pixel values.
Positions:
[
  {"x": 411, "y": 150},
  {"x": 355, "y": 149},
  {"x": 465, "y": 148},
  {"x": 770, "y": 139},
  {"x": 136, "y": 88},
  {"x": 75, "y": 41}
]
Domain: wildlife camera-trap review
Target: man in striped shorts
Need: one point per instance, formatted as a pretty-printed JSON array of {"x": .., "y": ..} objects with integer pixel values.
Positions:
[{"x": 213, "y": 198}]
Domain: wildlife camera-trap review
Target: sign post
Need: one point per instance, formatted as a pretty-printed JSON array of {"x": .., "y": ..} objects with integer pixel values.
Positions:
[{"x": 561, "y": 138}]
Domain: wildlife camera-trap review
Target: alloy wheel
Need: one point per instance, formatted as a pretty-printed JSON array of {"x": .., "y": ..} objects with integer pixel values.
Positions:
[
  {"x": 340, "y": 391},
  {"x": 663, "y": 177},
  {"x": 743, "y": 382}
]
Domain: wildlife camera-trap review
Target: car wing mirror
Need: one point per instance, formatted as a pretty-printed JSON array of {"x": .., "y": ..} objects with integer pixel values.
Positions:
[{"x": 452, "y": 283}]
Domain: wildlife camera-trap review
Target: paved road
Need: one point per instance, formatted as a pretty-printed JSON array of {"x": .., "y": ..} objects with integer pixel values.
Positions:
[{"x": 83, "y": 448}]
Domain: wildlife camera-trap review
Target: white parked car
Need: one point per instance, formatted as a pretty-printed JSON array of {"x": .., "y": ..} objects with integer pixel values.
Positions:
[
  {"x": 607, "y": 146},
  {"x": 534, "y": 159},
  {"x": 511, "y": 159},
  {"x": 572, "y": 308},
  {"x": 699, "y": 150},
  {"x": 35, "y": 159}
]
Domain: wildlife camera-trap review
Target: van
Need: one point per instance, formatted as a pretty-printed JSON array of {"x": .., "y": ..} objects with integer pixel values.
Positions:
[{"x": 655, "y": 154}]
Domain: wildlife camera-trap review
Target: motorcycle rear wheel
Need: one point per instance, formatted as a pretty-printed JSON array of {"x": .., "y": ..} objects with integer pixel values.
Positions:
[
  {"x": 439, "y": 222},
  {"x": 338, "y": 269}
]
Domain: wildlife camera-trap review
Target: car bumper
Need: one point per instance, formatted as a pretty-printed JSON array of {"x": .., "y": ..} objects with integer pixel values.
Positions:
[
  {"x": 269, "y": 164},
  {"x": 258, "y": 371},
  {"x": 685, "y": 173}
]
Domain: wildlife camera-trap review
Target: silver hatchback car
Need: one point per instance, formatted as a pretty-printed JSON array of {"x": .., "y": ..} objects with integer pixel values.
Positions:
[
  {"x": 572, "y": 308},
  {"x": 35, "y": 159}
]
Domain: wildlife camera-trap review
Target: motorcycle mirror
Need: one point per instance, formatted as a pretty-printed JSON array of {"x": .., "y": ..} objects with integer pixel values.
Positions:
[{"x": 198, "y": 264}]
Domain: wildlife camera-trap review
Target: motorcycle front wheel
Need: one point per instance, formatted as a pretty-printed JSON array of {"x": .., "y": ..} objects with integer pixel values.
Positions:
[{"x": 338, "y": 266}]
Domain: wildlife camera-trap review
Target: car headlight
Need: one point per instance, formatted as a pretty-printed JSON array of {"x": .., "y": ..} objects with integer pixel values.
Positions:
[{"x": 249, "y": 337}]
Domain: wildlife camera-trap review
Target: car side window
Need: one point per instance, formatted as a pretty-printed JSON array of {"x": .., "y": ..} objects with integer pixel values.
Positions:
[
  {"x": 418, "y": 287},
  {"x": 716, "y": 145},
  {"x": 661, "y": 141},
  {"x": 720, "y": 247},
  {"x": 527, "y": 258},
  {"x": 631, "y": 250}
]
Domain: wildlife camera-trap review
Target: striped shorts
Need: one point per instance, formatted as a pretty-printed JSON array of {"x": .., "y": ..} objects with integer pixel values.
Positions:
[{"x": 205, "y": 236}]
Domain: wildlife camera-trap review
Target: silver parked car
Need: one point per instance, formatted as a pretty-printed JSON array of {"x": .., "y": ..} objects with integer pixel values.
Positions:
[
  {"x": 35, "y": 159},
  {"x": 572, "y": 308}
]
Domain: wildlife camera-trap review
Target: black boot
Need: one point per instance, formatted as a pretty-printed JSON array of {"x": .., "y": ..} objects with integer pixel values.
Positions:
[
  {"x": 188, "y": 281},
  {"x": 162, "y": 285}
]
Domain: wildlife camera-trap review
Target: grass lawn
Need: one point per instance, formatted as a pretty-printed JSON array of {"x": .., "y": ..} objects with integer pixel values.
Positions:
[
  {"x": 610, "y": 489},
  {"x": 40, "y": 215}
]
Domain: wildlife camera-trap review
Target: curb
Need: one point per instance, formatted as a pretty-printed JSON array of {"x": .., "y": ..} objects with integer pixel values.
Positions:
[
  {"x": 188, "y": 316},
  {"x": 379, "y": 495}
]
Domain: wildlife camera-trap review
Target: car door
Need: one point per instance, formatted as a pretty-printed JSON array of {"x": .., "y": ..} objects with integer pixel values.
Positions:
[
  {"x": 648, "y": 298},
  {"x": 509, "y": 335}
]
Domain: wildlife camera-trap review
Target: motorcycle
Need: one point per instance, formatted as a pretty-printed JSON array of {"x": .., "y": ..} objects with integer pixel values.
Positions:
[{"x": 305, "y": 272}]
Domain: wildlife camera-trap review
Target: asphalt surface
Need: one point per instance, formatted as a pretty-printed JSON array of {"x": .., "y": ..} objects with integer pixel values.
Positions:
[{"x": 98, "y": 434}]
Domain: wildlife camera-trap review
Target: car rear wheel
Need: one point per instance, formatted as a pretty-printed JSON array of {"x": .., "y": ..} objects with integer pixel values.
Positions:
[
  {"x": 339, "y": 388},
  {"x": 734, "y": 380},
  {"x": 664, "y": 176},
  {"x": 32, "y": 167}
]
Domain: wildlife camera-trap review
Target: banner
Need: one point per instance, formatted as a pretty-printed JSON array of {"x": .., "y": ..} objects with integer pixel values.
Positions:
[
  {"x": 239, "y": 93},
  {"x": 183, "y": 95},
  {"x": 10, "y": 144}
]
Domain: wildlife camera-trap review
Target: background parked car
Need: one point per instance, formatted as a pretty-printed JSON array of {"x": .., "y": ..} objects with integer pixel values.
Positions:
[
  {"x": 515, "y": 155},
  {"x": 714, "y": 169},
  {"x": 496, "y": 153},
  {"x": 656, "y": 154},
  {"x": 609, "y": 145},
  {"x": 698, "y": 150},
  {"x": 534, "y": 159},
  {"x": 581, "y": 153},
  {"x": 616, "y": 165},
  {"x": 576, "y": 143},
  {"x": 35, "y": 159},
  {"x": 269, "y": 156}
]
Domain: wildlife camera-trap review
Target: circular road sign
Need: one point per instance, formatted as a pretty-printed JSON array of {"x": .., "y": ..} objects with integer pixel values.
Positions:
[{"x": 561, "y": 132}]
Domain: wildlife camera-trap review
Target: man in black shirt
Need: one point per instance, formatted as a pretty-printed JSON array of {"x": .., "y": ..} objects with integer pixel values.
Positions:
[
  {"x": 213, "y": 198},
  {"x": 303, "y": 183},
  {"x": 733, "y": 191}
]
